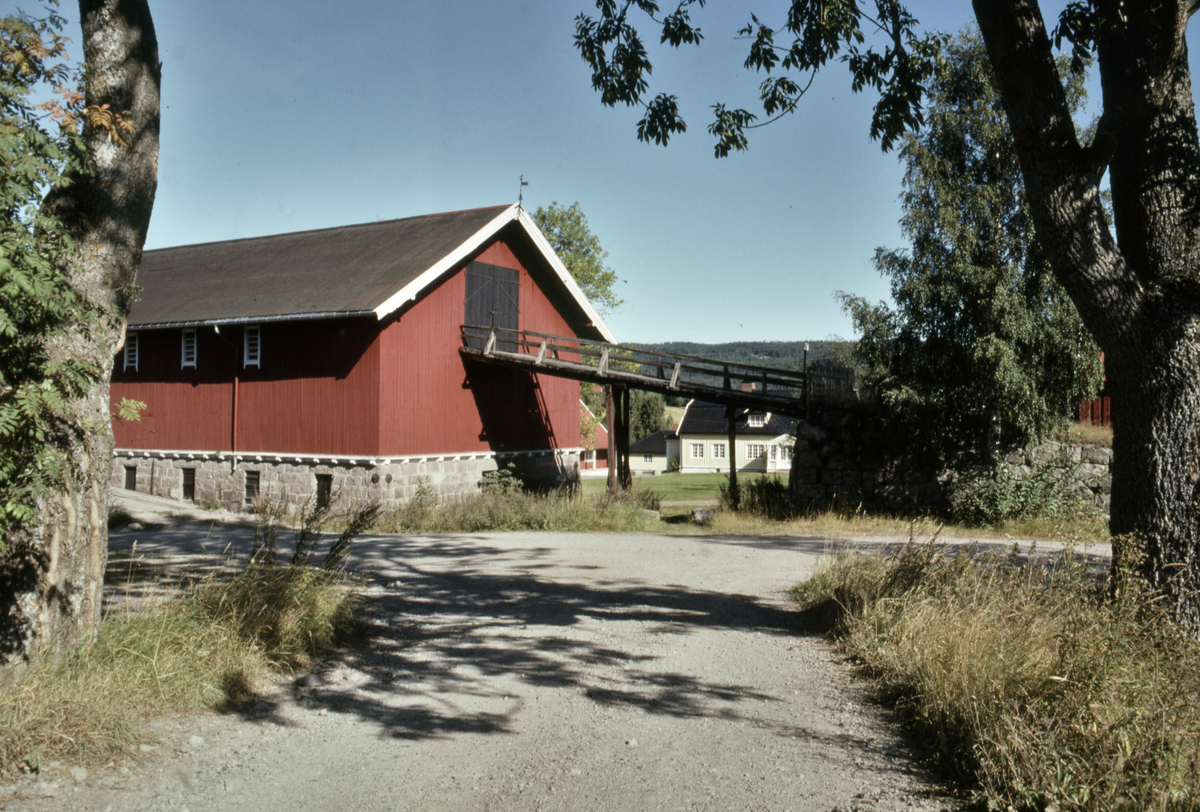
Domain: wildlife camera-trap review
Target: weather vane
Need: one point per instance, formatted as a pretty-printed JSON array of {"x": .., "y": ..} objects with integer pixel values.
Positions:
[{"x": 521, "y": 191}]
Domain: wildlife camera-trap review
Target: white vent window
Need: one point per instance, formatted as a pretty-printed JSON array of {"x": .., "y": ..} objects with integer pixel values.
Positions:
[
  {"x": 189, "y": 349},
  {"x": 252, "y": 347},
  {"x": 131, "y": 351}
]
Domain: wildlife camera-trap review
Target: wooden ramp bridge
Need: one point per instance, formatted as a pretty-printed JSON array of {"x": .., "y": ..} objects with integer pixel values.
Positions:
[{"x": 620, "y": 368}]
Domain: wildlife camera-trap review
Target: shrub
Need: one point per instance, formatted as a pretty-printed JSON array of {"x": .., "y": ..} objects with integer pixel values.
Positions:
[
  {"x": 1002, "y": 494},
  {"x": 767, "y": 497}
]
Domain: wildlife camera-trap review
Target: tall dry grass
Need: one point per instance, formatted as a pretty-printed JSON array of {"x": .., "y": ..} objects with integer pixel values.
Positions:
[
  {"x": 207, "y": 647},
  {"x": 1036, "y": 681}
]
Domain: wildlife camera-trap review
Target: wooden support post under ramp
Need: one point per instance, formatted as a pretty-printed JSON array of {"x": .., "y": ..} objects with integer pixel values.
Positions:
[
  {"x": 734, "y": 496},
  {"x": 610, "y": 419},
  {"x": 619, "y": 476},
  {"x": 623, "y": 441}
]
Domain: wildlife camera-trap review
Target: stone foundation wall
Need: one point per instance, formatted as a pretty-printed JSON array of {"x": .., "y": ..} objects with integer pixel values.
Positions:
[
  {"x": 847, "y": 458},
  {"x": 222, "y": 479}
]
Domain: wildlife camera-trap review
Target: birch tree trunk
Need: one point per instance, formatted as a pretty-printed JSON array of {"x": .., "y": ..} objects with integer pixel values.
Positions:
[{"x": 51, "y": 575}]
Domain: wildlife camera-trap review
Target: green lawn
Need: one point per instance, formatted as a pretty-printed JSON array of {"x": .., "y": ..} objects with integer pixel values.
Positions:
[{"x": 679, "y": 487}]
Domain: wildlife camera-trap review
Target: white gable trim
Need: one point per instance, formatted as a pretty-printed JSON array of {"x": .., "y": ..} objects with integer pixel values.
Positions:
[{"x": 514, "y": 212}]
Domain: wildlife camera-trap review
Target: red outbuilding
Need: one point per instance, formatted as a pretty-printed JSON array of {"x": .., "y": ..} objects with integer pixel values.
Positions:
[{"x": 326, "y": 362}]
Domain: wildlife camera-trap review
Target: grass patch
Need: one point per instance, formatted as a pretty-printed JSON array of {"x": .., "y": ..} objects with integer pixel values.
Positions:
[
  {"x": 676, "y": 487},
  {"x": 1084, "y": 434},
  {"x": 1034, "y": 681},
  {"x": 505, "y": 507},
  {"x": 205, "y": 648}
]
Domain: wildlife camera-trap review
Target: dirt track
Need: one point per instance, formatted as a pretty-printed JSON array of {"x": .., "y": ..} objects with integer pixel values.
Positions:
[{"x": 539, "y": 672}]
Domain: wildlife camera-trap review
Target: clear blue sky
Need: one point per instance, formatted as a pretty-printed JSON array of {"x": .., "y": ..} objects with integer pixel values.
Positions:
[{"x": 285, "y": 116}]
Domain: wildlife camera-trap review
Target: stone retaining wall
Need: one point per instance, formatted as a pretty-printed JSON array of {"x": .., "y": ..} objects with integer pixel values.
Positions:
[
  {"x": 850, "y": 458},
  {"x": 221, "y": 479}
]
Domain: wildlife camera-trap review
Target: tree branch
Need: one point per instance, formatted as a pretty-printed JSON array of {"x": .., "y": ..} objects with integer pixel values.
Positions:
[{"x": 1060, "y": 177}]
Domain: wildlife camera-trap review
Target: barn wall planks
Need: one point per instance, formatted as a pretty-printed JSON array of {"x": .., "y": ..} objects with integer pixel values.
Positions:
[
  {"x": 354, "y": 386},
  {"x": 315, "y": 392},
  {"x": 431, "y": 401}
]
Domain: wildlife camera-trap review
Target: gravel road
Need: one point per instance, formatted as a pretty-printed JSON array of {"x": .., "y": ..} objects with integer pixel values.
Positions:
[{"x": 536, "y": 672}]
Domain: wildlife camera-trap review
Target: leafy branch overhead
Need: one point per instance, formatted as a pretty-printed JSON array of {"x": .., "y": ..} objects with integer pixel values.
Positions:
[{"x": 882, "y": 50}]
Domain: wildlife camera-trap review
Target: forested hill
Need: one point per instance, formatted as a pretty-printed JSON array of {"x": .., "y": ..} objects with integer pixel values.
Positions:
[{"x": 776, "y": 354}]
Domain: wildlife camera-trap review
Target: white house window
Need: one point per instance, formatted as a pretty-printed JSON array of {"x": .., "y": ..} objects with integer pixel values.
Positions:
[
  {"x": 131, "y": 351},
  {"x": 785, "y": 453},
  {"x": 697, "y": 451},
  {"x": 755, "y": 451},
  {"x": 252, "y": 346},
  {"x": 719, "y": 451},
  {"x": 774, "y": 452},
  {"x": 756, "y": 421},
  {"x": 647, "y": 458},
  {"x": 189, "y": 349}
]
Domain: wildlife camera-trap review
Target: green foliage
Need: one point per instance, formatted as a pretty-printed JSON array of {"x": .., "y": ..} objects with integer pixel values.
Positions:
[
  {"x": 983, "y": 347},
  {"x": 990, "y": 498},
  {"x": 39, "y": 144},
  {"x": 579, "y": 249},
  {"x": 764, "y": 496},
  {"x": 882, "y": 51},
  {"x": 647, "y": 414},
  {"x": 503, "y": 481}
]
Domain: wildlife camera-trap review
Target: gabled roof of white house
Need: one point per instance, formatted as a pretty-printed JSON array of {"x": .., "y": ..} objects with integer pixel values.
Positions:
[
  {"x": 655, "y": 443},
  {"x": 702, "y": 417},
  {"x": 373, "y": 269}
]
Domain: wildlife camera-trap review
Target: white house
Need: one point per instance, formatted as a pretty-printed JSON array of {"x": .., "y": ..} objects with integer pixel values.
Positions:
[{"x": 763, "y": 441}]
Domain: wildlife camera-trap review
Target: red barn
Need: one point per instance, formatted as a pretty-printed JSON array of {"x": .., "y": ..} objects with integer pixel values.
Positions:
[{"x": 326, "y": 362}]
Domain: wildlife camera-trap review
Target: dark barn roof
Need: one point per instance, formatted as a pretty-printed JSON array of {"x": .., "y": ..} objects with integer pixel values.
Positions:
[
  {"x": 655, "y": 443},
  {"x": 358, "y": 270},
  {"x": 703, "y": 417}
]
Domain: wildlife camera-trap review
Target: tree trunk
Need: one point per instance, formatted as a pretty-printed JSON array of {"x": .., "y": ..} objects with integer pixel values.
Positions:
[
  {"x": 1139, "y": 295},
  {"x": 52, "y": 575}
]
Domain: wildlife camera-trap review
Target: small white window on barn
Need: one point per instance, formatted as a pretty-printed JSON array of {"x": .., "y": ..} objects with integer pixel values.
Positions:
[
  {"x": 697, "y": 451},
  {"x": 756, "y": 421},
  {"x": 252, "y": 341},
  {"x": 131, "y": 351},
  {"x": 189, "y": 349}
]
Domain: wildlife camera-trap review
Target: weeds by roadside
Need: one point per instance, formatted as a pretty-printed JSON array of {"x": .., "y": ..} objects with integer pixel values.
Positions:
[
  {"x": 1084, "y": 434},
  {"x": 504, "y": 506},
  {"x": 203, "y": 648},
  {"x": 1030, "y": 677}
]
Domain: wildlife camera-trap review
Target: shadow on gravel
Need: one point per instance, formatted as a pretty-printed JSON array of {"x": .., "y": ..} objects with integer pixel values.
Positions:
[
  {"x": 460, "y": 626},
  {"x": 494, "y": 633}
]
